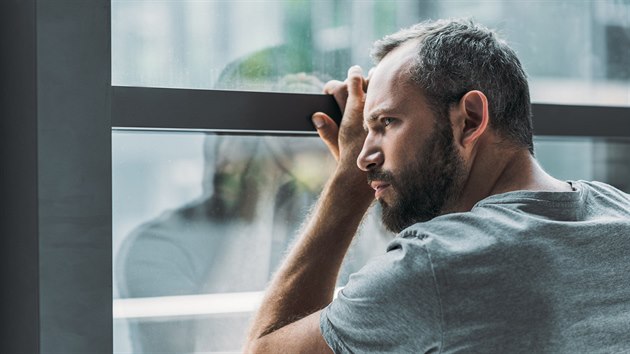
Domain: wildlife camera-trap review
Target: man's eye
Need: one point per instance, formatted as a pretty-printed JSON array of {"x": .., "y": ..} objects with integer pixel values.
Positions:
[{"x": 387, "y": 121}]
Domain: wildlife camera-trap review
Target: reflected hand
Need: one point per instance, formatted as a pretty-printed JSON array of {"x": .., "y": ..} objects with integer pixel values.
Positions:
[
  {"x": 345, "y": 142},
  {"x": 300, "y": 82}
]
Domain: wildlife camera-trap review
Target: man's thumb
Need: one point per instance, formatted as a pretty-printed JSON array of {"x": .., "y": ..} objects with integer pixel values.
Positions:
[{"x": 328, "y": 131}]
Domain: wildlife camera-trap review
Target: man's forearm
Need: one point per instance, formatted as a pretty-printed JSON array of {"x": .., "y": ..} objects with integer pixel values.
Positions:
[{"x": 306, "y": 281}]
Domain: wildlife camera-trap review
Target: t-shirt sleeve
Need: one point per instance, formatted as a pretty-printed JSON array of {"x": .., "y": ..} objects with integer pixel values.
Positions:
[{"x": 390, "y": 305}]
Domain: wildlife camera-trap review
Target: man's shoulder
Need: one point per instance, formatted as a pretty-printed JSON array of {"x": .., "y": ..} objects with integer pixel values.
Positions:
[
  {"x": 606, "y": 195},
  {"x": 513, "y": 219},
  {"x": 602, "y": 188},
  {"x": 451, "y": 236}
]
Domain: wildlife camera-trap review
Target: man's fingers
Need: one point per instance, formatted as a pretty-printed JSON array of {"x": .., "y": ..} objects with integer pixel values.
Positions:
[
  {"x": 331, "y": 86},
  {"x": 328, "y": 131},
  {"x": 356, "y": 95},
  {"x": 355, "y": 81},
  {"x": 350, "y": 95},
  {"x": 339, "y": 90}
]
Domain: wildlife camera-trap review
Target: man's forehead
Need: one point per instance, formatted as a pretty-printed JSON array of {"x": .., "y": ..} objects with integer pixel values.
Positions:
[
  {"x": 390, "y": 84},
  {"x": 394, "y": 68},
  {"x": 401, "y": 56},
  {"x": 395, "y": 64}
]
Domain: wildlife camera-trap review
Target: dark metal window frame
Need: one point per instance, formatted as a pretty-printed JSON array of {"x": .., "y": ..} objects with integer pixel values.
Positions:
[
  {"x": 187, "y": 109},
  {"x": 58, "y": 111}
]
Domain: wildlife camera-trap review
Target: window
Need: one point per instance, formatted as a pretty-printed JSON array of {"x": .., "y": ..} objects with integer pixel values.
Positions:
[
  {"x": 60, "y": 110},
  {"x": 574, "y": 52},
  {"x": 213, "y": 174}
]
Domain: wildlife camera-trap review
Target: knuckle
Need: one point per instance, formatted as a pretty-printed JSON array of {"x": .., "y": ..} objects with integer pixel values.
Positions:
[{"x": 332, "y": 86}]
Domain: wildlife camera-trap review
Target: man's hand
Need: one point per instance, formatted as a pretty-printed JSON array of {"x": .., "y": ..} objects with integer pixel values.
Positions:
[{"x": 345, "y": 141}]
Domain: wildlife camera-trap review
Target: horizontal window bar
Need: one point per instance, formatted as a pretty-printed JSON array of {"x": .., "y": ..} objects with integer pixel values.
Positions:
[
  {"x": 289, "y": 113},
  {"x": 569, "y": 120},
  {"x": 147, "y": 108},
  {"x": 222, "y": 131},
  {"x": 189, "y": 305},
  {"x": 186, "y": 305}
]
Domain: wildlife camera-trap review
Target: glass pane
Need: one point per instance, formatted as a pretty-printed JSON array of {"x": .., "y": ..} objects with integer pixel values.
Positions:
[
  {"x": 200, "y": 223},
  {"x": 604, "y": 160},
  {"x": 575, "y": 52}
]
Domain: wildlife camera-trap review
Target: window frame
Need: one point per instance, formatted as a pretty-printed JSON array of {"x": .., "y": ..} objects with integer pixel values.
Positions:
[
  {"x": 59, "y": 110},
  {"x": 148, "y": 108}
]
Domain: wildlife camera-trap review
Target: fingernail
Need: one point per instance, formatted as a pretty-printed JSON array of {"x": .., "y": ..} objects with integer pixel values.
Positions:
[
  {"x": 355, "y": 68},
  {"x": 318, "y": 121}
]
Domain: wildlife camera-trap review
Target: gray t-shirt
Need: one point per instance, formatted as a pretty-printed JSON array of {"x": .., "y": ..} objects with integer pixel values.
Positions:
[{"x": 522, "y": 272}]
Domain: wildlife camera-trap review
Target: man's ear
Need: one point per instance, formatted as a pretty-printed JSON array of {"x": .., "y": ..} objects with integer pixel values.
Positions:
[{"x": 472, "y": 118}]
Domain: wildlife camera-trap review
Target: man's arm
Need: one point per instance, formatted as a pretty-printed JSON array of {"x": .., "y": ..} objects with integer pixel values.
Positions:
[{"x": 288, "y": 319}]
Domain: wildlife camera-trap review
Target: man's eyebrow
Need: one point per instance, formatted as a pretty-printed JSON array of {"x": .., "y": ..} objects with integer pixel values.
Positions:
[
  {"x": 378, "y": 113},
  {"x": 374, "y": 116}
]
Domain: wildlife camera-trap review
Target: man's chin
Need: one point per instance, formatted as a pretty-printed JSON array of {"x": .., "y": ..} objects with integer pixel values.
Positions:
[
  {"x": 396, "y": 218},
  {"x": 391, "y": 218}
]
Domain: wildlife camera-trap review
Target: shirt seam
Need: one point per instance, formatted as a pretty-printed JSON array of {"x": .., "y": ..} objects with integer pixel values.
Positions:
[
  {"x": 439, "y": 298},
  {"x": 567, "y": 197},
  {"x": 524, "y": 199}
]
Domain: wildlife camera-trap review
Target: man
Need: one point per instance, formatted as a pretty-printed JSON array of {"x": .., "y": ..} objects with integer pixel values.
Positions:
[{"x": 492, "y": 255}]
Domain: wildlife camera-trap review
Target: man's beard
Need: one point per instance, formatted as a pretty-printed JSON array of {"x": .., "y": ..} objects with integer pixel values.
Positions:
[{"x": 425, "y": 188}]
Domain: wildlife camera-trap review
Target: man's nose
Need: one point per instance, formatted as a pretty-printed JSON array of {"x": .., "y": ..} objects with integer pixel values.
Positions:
[{"x": 371, "y": 156}]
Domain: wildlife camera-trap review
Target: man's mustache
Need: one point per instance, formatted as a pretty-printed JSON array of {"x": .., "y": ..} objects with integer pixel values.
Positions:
[{"x": 380, "y": 175}]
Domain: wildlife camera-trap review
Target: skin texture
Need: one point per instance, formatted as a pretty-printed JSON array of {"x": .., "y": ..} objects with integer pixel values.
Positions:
[{"x": 378, "y": 131}]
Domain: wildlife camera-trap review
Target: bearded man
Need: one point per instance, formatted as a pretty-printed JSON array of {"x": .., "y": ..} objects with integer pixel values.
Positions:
[{"x": 493, "y": 255}]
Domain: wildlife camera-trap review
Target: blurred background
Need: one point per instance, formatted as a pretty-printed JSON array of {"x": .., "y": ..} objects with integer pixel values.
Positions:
[{"x": 202, "y": 219}]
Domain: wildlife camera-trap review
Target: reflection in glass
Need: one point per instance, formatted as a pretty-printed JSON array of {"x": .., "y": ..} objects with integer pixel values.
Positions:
[
  {"x": 575, "y": 52},
  {"x": 201, "y": 221},
  {"x": 190, "y": 272}
]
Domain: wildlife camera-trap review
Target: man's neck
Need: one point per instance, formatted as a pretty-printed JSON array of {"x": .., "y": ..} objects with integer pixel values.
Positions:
[{"x": 502, "y": 171}]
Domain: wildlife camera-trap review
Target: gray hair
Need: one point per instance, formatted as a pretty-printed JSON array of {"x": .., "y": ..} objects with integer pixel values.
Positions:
[{"x": 456, "y": 56}]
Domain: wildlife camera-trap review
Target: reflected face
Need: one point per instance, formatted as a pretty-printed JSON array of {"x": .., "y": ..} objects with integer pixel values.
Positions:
[
  {"x": 412, "y": 163},
  {"x": 249, "y": 170},
  {"x": 233, "y": 159},
  {"x": 235, "y": 191}
]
